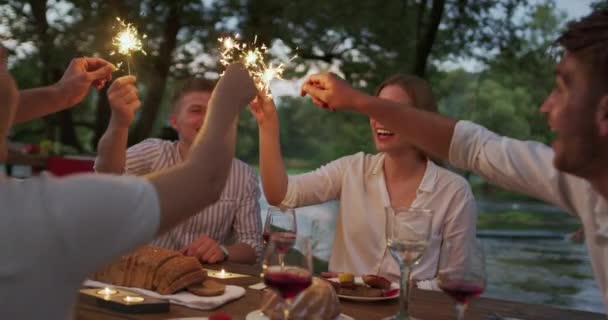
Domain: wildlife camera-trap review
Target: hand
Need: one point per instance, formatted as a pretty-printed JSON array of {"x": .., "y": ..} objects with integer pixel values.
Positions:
[
  {"x": 205, "y": 249},
  {"x": 81, "y": 74},
  {"x": 329, "y": 91},
  {"x": 236, "y": 83},
  {"x": 122, "y": 95},
  {"x": 263, "y": 109}
]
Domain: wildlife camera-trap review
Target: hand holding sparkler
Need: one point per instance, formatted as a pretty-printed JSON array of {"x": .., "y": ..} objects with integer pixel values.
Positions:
[
  {"x": 127, "y": 41},
  {"x": 81, "y": 74}
]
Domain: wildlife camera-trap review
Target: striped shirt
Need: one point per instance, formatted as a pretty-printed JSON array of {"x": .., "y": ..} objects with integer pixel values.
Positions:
[{"x": 234, "y": 218}]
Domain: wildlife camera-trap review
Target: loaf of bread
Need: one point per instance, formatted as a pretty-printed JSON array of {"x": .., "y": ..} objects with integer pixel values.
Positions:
[{"x": 152, "y": 268}]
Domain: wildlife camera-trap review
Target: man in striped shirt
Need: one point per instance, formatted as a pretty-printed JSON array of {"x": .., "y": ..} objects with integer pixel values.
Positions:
[{"x": 235, "y": 218}]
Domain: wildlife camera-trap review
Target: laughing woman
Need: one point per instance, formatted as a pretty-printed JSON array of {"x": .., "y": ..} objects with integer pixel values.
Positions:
[{"x": 399, "y": 175}]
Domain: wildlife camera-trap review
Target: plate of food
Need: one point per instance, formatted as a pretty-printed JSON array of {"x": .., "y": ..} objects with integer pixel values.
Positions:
[{"x": 364, "y": 288}]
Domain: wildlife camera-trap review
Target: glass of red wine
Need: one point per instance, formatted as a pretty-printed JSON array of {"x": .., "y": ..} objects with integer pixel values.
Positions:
[
  {"x": 407, "y": 236},
  {"x": 462, "y": 273},
  {"x": 288, "y": 263}
]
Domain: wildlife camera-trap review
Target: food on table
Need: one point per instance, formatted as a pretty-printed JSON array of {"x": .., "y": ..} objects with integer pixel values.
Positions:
[
  {"x": 372, "y": 286},
  {"x": 346, "y": 280},
  {"x": 318, "y": 301},
  {"x": 328, "y": 275},
  {"x": 157, "y": 269},
  {"x": 376, "y": 281},
  {"x": 209, "y": 288}
]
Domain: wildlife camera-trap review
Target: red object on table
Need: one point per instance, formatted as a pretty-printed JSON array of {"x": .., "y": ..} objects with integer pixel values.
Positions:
[
  {"x": 220, "y": 315},
  {"x": 63, "y": 166}
]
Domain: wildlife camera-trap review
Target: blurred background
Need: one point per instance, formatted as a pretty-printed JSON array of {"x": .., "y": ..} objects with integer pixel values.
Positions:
[{"x": 488, "y": 61}]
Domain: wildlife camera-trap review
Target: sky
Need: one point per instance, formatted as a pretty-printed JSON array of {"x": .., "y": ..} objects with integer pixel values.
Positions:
[{"x": 574, "y": 9}]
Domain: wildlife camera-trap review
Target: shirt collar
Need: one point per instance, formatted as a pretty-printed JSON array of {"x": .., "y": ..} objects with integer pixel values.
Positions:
[{"x": 428, "y": 180}]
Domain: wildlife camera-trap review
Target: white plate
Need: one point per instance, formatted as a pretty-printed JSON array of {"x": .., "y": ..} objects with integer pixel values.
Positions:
[
  {"x": 358, "y": 280},
  {"x": 258, "y": 315}
]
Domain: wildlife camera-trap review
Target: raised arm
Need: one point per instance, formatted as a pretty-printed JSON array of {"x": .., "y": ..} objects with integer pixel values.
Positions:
[
  {"x": 517, "y": 165},
  {"x": 9, "y": 97},
  {"x": 430, "y": 132},
  {"x": 198, "y": 182},
  {"x": 111, "y": 151},
  {"x": 272, "y": 168},
  {"x": 79, "y": 77}
]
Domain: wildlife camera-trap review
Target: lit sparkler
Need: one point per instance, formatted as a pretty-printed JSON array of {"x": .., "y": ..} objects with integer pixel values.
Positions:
[
  {"x": 127, "y": 41},
  {"x": 253, "y": 59}
]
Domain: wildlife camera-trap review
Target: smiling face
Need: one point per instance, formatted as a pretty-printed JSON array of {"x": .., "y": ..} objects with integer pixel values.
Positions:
[
  {"x": 571, "y": 111},
  {"x": 189, "y": 115},
  {"x": 385, "y": 140}
]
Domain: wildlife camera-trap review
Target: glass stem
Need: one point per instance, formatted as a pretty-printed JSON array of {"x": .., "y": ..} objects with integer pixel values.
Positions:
[
  {"x": 282, "y": 260},
  {"x": 405, "y": 272},
  {"x": 286, "y": 309},
  {"x": 460, "y": 309}
]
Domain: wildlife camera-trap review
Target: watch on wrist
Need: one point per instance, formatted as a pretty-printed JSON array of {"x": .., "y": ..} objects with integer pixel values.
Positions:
[{"x": 225, "y": 251}]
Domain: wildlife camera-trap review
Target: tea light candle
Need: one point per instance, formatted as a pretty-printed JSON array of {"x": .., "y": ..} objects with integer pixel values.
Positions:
[
  {"x": 107, "y": 291},
  {"x": 222, "y": 274},
  {"x": 134, "y": 299}
]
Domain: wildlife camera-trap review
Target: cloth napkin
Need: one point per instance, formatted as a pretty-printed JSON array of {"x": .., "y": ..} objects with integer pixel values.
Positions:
[{"x": 182, "y": 298}]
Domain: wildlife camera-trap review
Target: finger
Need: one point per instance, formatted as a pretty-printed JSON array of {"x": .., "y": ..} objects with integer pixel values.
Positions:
[
  {"x": 104, "y": 73},
  {"x": 216, "y": 257},
  {"x": 133, "y": 105},
  {"x": 210, "y": 253},
  {"x": 183, "y": 250},
  {"x": 93, "y": 63},
  {"x": 129, "y": 98},
  {"x": 203, "y": 249},
  {"x": 315, "y": 92}
]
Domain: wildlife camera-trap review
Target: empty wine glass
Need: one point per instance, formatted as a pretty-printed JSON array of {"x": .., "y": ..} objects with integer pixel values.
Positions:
[
  {"x": 289, "y": 270},
  {"x": 462, "y": 273},
  {"x": 407, "y": 236},
  {"x": 279, "y": 220}
]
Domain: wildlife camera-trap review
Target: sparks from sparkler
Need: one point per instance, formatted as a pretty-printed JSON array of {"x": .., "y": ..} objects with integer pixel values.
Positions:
[
  {"x": 253, "y": 59},
  {"x": 127, "y": 41}
]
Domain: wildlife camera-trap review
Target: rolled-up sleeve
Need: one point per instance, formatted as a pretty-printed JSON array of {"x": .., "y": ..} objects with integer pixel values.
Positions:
[
  {"x": 522, "y": 166},
  {"x": 316, "y": 187},
  {"x": 248, "y": 224}
]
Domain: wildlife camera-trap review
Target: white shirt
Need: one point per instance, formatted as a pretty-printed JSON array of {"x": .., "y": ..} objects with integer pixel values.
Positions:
[
  {"x": 358, "y": 182},
  {"x": 527, "y": 167},
  {"x": 56, "y": 231}
]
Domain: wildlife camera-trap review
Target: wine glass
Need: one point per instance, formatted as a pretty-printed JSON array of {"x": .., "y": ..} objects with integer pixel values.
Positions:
[
  {"x": 462, "y": 273},
  {"x": 288, "y": 270},
  {"x": 279, "y": 220},
  {"x": 407, "y": 236}
]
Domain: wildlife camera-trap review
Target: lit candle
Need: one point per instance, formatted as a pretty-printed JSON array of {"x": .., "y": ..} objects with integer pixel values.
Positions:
[
  {"x": 222, "y": 274},
  {"x": 107, "y": 291},
  {"x": 134, "y": 299}
]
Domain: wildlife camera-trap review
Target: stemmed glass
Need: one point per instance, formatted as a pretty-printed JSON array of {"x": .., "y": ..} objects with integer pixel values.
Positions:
[
  {"x": 279, "y": 220},
  {"x": 407, "y": 236},
  {"x": 288, "y": 271},
  {"x": 462, "y": 273},
  {"x": 282, "y": 222}
]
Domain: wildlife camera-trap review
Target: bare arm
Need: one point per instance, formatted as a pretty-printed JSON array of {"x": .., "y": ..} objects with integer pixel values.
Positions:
[
  {"x": 272, "y": 168},
  {"x": 111, "y": 151},
  {"x": 9, "y": 97},
  {"x": 81, "y": 74},
  {"x": 428, "y": 131},
  {"x": 179, "y": 188}
]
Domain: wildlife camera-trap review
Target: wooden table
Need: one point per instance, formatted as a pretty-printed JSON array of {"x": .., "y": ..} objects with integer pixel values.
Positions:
[{"x": 424, "y": 305}]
